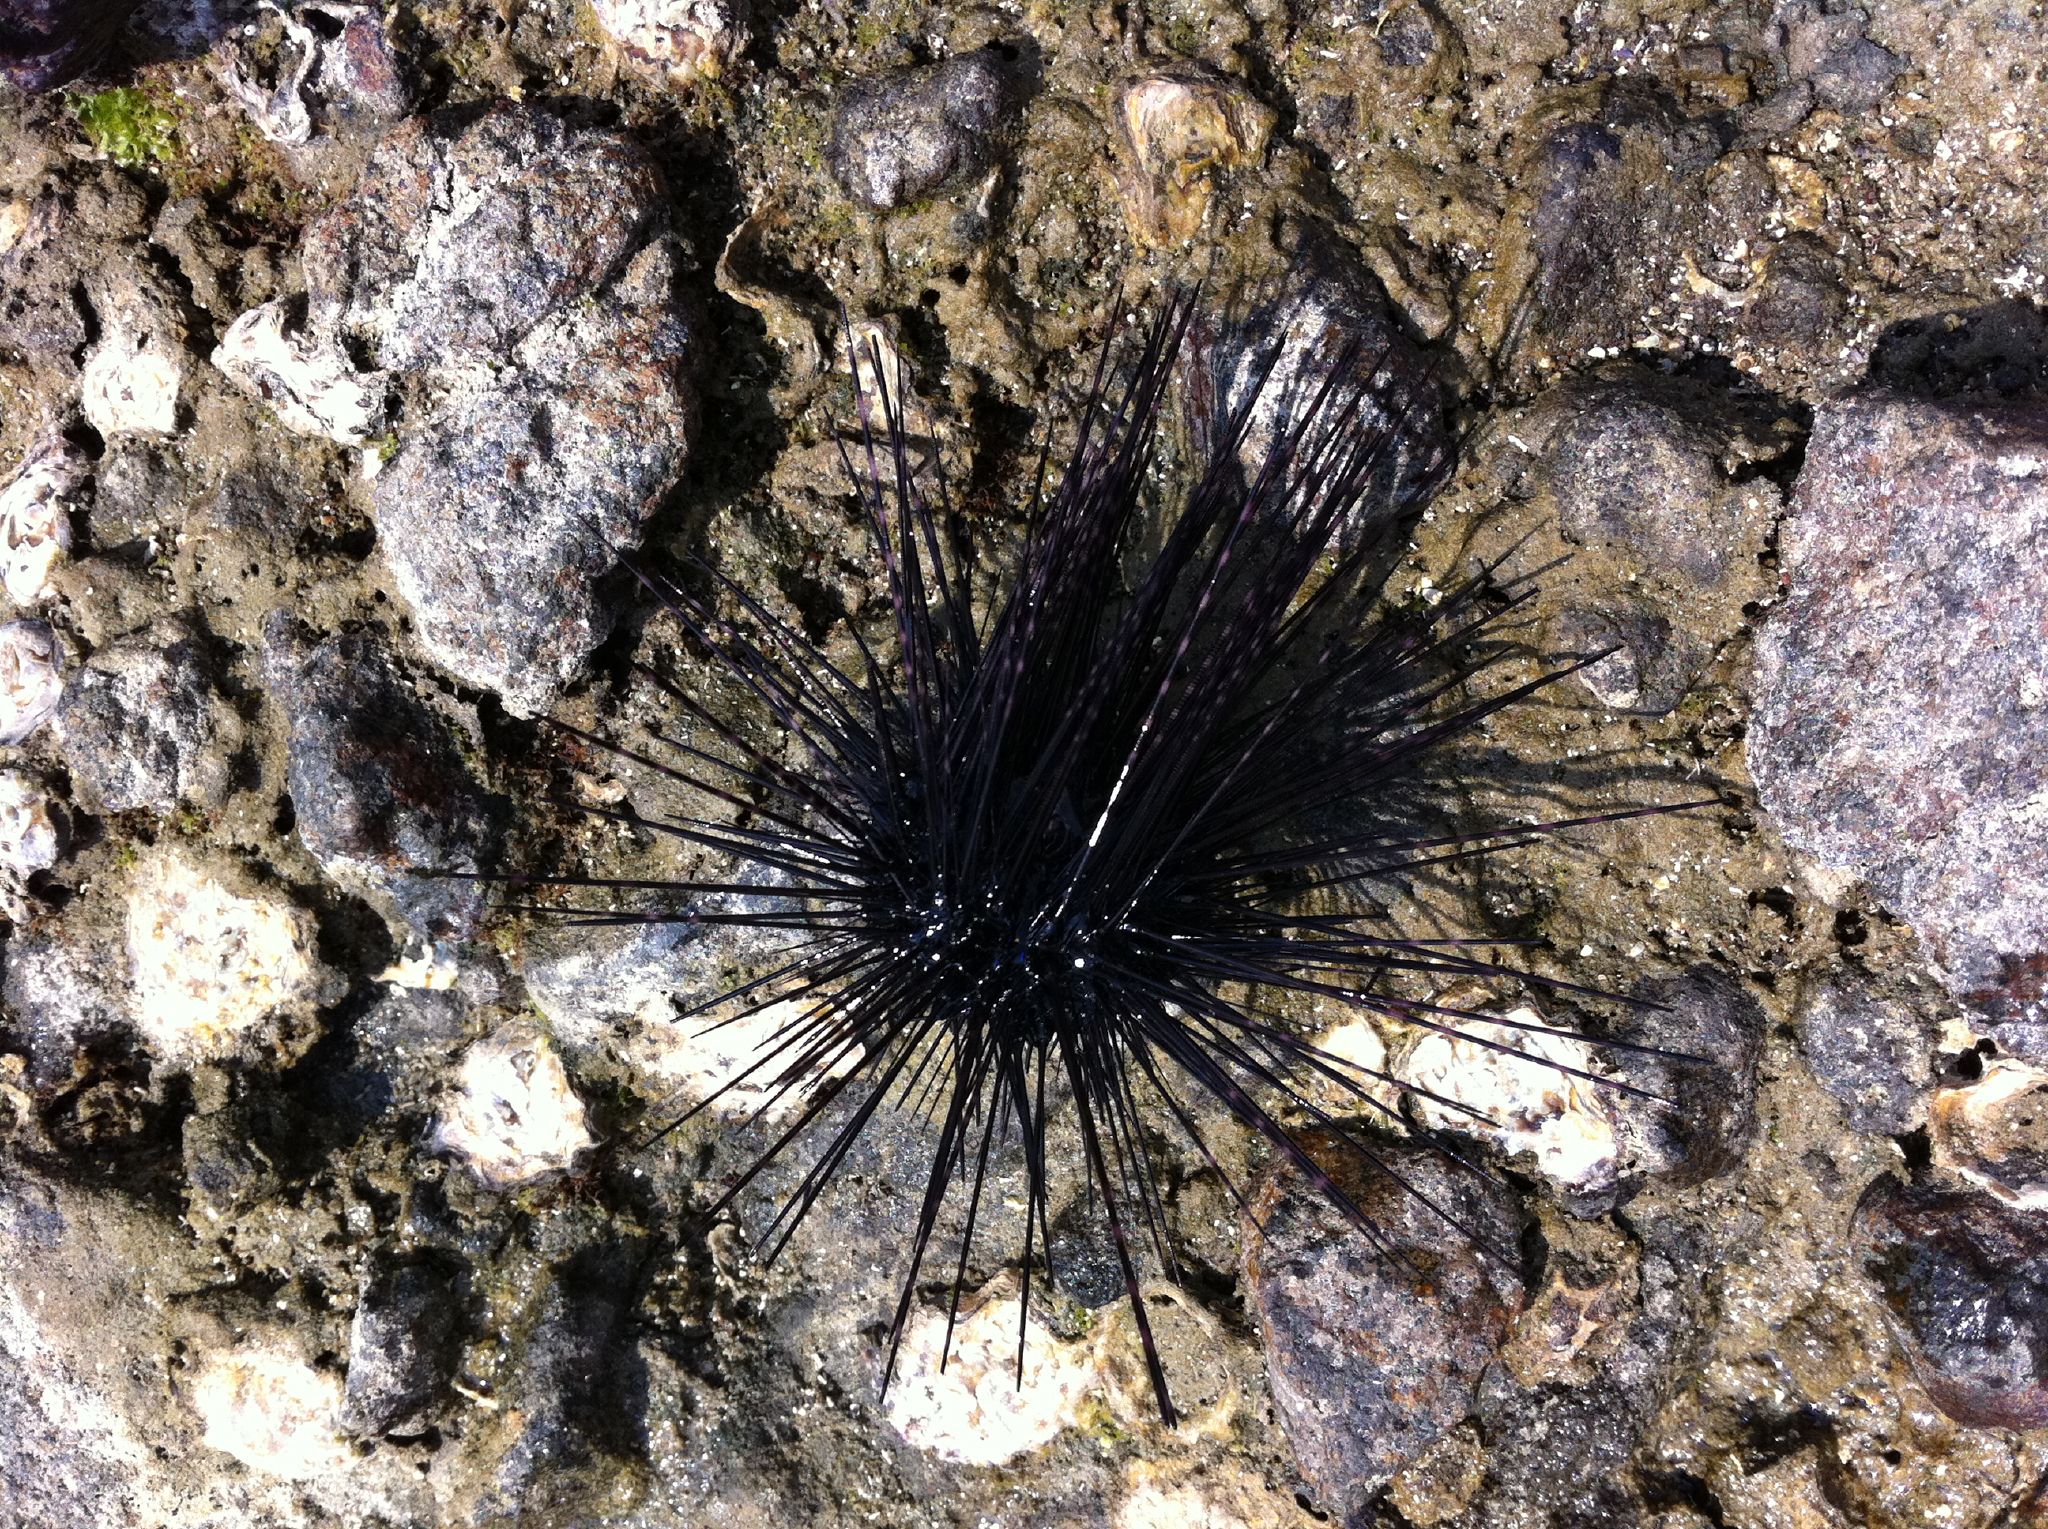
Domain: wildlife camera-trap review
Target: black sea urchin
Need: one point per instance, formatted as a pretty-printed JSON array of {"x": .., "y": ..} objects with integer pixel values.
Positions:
[{"x": 1035, "y": 856}]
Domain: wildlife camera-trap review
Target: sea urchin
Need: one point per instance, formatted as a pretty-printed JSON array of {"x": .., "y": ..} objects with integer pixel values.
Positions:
[{"x": 1044, "y": 838}]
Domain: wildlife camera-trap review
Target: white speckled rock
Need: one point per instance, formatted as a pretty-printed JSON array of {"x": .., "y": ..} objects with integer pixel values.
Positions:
[
  {"x": 1524, "y": 1105},
  {"x": 35, "y": 518},
  {"x": 31, "y": 837},
  {"x": 974, "y": 1412},
  {"x": 133, "y": 372},
  {"x": 512, "y": 1117},
  {"x": 263, "y": 1404},
  {"x": 309, "y": 384},
  {"x": 221, "y": 966}
]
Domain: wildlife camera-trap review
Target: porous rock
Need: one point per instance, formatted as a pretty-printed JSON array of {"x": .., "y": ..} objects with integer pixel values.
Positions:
[
  {"x": 1373, "y": 1358},
  {"x": 676, "y": 41},
  {"x": 898, "y": 138},
  {"x": 1964, "y": 1282},
  {"x": 222, "y": 967},
  {"x": 511, "y": 1116},
  {"x": 1901, "y": 724},
  {"x": 36, "y": 505},
  {"x": 380, "y": 793},
  {"x": 143, "y": 724},
  {"x": 1873, "y": 1051},
  {"x": 570, "y": 1435},
  {"x": 31, "y": 677}
]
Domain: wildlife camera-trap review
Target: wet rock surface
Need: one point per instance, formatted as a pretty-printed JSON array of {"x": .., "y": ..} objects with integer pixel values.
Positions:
[
  {"x": 362, "y": 347},
  {"x": 1900, "y": 712}
]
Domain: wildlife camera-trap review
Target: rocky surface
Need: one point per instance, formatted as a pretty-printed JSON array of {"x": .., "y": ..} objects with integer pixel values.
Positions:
[
  {"x": 346, "y": 354},
  {"x": 899, "y": 138},
  {"x": 143, "y": 724},
  {"x": 1962, "y": 1279},
  {"x": 1902, "y": 690},
  {"x": 1377, "y": 1344},
  {"x": 380, "y": 794}
]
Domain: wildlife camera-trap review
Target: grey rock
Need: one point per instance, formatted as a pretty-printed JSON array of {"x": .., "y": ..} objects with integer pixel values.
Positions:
[
  {"x": 1372, "y": 1357},
  {"x": 1080, "y": 1249},
  {"x": 501, "y": 515},
  {"x": 590, "y": 981},
  {"x": 140, "y": 489},
  {"x": 1901, "y": 723},
  {"x": 66, "y": 986},
  {"x": 143, "y": 724},
  {"x": 403, "y": 1043},
  {"x": 1871, "y": 1051},
  {"x": 898, "y": 138},
  {"x": 504, "y": 267},
  {"x": 1824, "y": 46},
  {"x": 456, "y": 245},
  {"x": 401, "y": 1347},
  {"x": 1964, "y": 1283},
  {"x": 382, "y": 797}
]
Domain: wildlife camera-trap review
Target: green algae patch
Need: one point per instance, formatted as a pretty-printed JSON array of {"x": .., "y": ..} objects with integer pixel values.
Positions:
[{"x": 127, "y": 124}]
